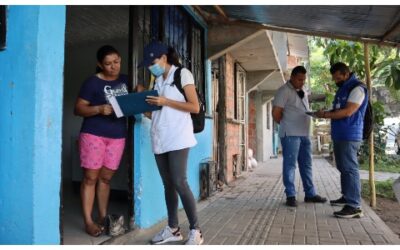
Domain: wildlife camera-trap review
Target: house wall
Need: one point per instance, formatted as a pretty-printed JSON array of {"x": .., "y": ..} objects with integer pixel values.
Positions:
[
  {"x": 251, "y": 128},
  {"x": 267, "y": 130},
  {"x": 232, "y": 127},
  {"x": 279, "y": 41},
  {"x": 31, "y": 93}
]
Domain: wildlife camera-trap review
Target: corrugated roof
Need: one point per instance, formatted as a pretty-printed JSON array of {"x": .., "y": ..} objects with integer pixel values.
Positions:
[{"x": 368, "y": 23}]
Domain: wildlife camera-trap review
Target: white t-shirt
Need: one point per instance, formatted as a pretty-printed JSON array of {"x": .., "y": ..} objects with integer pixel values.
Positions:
[
  {"x": 172, "y": 129},
  {"x": 357, "y": 95}
]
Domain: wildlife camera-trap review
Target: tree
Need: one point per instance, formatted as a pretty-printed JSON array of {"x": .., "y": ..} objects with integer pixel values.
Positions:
[
  {"x": 384, "y": 66},
  {"x": 384, "y": 61}
]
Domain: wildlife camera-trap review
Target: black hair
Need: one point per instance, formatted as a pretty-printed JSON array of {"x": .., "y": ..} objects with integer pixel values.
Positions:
[
  {"x": 102, "y": 52},
  {"x": 341, "y": 67},
  {"x": 298, "y": 70},
  {"x": 173, "y": 57}
]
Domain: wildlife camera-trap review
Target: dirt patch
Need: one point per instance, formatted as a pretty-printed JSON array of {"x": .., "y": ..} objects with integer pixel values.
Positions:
[{"x": 389, "y": 211}]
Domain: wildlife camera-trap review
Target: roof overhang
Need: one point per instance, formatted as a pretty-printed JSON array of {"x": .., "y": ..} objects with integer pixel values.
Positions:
[
  {"x": 365, "y": 23},
  {"x": 257, "y": 55}
]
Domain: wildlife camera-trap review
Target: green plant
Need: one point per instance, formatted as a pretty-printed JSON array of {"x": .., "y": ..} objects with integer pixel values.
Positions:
[
  {"x": 379, "y": 136},
  {"x": 385, "y": 71},
  {"x": 388, "y": 72},
  {"x": 383, "y": 189},
  {"x": 386, "y": 163}
]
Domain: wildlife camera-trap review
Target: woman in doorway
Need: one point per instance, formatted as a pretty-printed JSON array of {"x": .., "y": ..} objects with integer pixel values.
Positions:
[
  {"x": 102, "y": 135},
  {"x": 172, "y": 137}
]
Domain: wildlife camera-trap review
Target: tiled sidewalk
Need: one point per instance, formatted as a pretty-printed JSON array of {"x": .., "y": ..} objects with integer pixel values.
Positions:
[{"x": 253, "y": 212}]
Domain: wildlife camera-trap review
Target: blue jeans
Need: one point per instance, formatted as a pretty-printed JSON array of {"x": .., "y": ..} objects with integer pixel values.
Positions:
[
  {"x": 347, "y": 164},
  {"x": 297, "y": 149}
]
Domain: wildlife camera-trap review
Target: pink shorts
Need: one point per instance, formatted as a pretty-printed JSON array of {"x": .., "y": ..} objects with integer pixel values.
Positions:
[{"x": 96, "y": 151}]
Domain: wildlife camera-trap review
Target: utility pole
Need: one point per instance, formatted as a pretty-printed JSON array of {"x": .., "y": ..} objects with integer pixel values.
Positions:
[{"x": 371, "y": 137}]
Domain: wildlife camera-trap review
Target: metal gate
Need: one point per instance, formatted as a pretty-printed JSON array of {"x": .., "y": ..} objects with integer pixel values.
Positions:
[{"x": 175, "y": 27}]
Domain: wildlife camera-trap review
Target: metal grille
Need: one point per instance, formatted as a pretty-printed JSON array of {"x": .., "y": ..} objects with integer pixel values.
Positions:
[{"x": 174, "y": 27}]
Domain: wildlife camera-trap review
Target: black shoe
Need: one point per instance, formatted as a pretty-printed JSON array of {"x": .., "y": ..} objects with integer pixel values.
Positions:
[
  {"x": 315, "y": 199},
  {"x": 349, "y": 212},
  {"x": 291, "y": 201},
  {"x": 339, "y": 202}
]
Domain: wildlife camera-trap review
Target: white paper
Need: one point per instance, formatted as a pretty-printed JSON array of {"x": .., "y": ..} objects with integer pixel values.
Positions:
[{"x": 117, "y": 109}]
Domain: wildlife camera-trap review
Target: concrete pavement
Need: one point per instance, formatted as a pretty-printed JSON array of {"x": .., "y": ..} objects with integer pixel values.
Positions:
[{"x": 252, "y": 211}]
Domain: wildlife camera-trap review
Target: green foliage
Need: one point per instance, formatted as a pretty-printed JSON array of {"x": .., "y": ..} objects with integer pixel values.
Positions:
[
  {"x": 384, "y": 62},
  {"x": 379, "y": 136},
  {"x": 379, "y": 113},
  {"x": 385, "y": 71},
  {"x": 382, "y": 188},
  {"x": 389, "y": 73},
  {"x": 386, "y": 163},
  {"x": 321, "y": 79}
]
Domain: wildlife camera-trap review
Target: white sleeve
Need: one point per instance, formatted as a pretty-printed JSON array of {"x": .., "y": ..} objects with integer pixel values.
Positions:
[
  {"x": 357, "y": 95},
  {"x": 186, "y": 77}
]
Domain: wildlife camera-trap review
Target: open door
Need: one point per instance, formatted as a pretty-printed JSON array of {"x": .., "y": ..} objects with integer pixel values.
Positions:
[{"x": 87, "y": 29}]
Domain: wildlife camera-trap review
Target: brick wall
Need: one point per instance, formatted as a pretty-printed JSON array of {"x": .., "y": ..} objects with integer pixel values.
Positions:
[{"x": 232, "y": 128}]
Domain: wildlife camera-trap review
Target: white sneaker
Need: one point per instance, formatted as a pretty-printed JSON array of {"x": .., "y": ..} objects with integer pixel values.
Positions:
[
  {"x": 167, "y": 235},
  {"x": 195, "y": 237}
]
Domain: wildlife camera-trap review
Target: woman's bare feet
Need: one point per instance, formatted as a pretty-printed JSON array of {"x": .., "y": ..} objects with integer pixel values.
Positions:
[{"x": 93, "y": 230}]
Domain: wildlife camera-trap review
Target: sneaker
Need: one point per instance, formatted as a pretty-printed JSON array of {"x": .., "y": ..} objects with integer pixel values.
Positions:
[
  {"x": 339, "y": 202},
  {"x": 291, "y": 201},
  {"x": 167, "y": 235},
  {"x": 349, "y": 212},
  {"x": 195, "y": 237},
  {"x": 315, "y": 199}
]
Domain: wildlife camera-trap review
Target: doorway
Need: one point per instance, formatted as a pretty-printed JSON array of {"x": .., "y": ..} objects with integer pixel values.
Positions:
[{"x": 87, "y": 29}]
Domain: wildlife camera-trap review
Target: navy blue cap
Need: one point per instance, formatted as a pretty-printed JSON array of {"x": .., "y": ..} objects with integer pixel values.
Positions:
[{"x": 152, "y": 51}]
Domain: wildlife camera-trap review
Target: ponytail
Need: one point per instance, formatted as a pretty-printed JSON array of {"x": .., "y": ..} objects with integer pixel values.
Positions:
[{"x": 173, "y": 57}]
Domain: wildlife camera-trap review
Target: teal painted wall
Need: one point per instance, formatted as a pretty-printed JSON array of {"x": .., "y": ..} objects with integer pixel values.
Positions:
[{"x": 31, "y": 83}]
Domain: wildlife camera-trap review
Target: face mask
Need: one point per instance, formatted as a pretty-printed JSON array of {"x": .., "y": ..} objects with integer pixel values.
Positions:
[{"x": 156, "y": 70}]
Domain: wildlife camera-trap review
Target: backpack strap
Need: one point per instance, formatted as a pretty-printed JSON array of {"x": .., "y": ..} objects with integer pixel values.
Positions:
[{"x": 178, "y": 81}]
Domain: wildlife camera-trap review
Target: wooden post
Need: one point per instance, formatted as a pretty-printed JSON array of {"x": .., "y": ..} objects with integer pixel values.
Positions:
[{"x": 371, "y": 138}]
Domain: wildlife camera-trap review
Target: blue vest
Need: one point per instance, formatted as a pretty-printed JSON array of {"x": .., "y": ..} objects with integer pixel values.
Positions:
[{"x": 349, "y": 128}]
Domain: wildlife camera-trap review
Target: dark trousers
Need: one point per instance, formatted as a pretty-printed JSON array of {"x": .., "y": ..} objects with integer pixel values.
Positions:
[{"x": 172, "y": 167}]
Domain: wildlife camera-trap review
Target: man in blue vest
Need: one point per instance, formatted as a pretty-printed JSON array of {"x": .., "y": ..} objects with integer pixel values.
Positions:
[{"x": 347, "y": 124}]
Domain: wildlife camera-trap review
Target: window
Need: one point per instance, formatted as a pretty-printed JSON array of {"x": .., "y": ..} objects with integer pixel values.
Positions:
[{"x": 239, "y": 93}]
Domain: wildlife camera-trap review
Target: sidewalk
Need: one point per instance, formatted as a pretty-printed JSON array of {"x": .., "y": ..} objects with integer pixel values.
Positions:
[
  {"x": 253, "y": 212},
  {"x": 379, "y": 176}
]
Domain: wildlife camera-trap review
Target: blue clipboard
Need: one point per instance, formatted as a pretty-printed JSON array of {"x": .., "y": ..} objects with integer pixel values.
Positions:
[{"x": 135, "y": 103}]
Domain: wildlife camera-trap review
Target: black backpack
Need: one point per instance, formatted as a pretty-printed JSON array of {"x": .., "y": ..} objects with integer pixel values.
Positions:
[
  {"x": 368, "y": 117},
  {"x": 198, "y": 119}
]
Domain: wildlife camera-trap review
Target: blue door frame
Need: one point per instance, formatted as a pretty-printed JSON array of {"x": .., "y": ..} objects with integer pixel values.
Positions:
[{"x": 31, "y": 80}]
